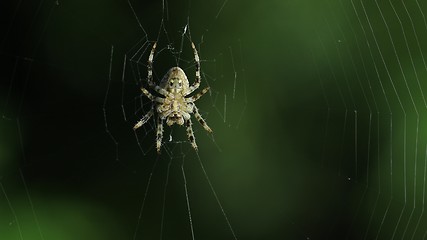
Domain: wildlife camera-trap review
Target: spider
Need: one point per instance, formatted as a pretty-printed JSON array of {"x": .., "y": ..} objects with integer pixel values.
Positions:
[{"x": 175, "y": 105}]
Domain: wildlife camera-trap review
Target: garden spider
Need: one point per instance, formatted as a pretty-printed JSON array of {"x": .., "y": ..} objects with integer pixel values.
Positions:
[{"x": 175, "y": 105}]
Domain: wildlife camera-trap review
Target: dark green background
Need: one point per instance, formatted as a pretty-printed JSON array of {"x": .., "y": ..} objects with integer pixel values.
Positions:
[{"x": 331, "y": 144}]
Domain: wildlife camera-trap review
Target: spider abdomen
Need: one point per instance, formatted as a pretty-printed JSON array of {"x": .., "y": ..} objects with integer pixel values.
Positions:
[{"x": 174, "y": 111}]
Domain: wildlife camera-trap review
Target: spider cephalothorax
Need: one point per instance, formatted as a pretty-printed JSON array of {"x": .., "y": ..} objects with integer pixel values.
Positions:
[{"x": 175, "y": 105}]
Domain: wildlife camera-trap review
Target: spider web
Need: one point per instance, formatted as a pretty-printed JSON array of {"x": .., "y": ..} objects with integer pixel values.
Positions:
[
  {"x": 333, "y": 145},
  {"x": 372, "y": 78}
]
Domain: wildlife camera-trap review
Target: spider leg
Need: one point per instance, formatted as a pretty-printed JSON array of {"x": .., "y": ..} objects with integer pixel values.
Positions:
[
  {"x": 148, "y": 94},
  {"x": 190, "y": 134},
  {"x": 162, "y": 91},
  {"x": 151, "y": 96},
  {"x": 150, "y": 73},
  {"x": 200, "y": 119},
  {"x": 198, "y": 95},
  {"x": 143, "y": 119},
  {"x": 196, "y": 82},
  {"x": 159, "y": 134},
  {"x": 150, "y": 66}
]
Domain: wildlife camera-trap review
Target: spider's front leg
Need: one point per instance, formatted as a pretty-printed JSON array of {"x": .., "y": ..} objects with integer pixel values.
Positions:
[
  {"x": 150, "y": 73},
  {"x": 196, "y": 83},
  {"x": 150, "y": 66},
  {"x": 190, "y": 134},
  {"x": 159, "y": 135}
]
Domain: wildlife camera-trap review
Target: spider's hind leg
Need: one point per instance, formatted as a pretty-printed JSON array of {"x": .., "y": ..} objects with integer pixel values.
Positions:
[
  {"x": 201, "y": 120},
  {"x": 190, "y": 134},
  {"x": 159, "y": 135}
]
